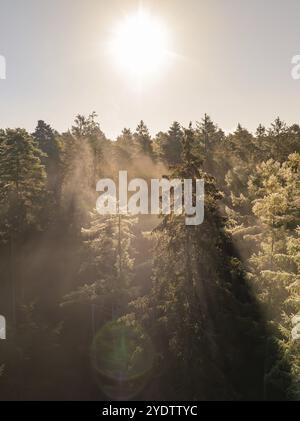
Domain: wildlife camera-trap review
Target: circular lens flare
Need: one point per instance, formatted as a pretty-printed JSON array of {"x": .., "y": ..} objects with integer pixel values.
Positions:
[{"x": 122, "y": 358}]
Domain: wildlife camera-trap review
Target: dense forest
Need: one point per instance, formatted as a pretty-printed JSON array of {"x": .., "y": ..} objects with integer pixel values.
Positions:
[{"x": 145, "y": 307}]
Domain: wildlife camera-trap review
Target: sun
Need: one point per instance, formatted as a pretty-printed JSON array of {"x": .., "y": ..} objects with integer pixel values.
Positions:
[{"x": 139, "y": 45}]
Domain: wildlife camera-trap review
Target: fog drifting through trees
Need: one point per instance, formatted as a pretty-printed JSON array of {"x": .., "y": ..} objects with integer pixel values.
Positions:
[{"x": 142, "y": 307}]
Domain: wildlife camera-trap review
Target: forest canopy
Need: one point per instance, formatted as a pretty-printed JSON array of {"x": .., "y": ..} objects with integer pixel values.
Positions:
[{"x": 146, "y": 307}]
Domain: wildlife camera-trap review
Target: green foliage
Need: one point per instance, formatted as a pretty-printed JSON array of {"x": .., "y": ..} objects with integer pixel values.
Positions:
[
  {"x": 108, "y": 262},
  {"x": 169, "y": 145},
  {"x": 185, "y": 312},
  {"x": 143, "y": 140},
  {"x": 187, "y": 309},
  {"x": 22, "y": 183}
]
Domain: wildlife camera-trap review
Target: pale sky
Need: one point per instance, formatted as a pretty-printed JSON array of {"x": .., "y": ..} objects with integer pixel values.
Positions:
[{"x": 230, "y": 59}]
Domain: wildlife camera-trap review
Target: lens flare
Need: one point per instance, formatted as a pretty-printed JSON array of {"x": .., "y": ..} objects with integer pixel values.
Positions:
[{"x": 122, "y": 358}]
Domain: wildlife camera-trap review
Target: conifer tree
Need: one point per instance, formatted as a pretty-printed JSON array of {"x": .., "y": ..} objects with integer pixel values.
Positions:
[
  {"x": 186, "y": 308},
  {"x": 208, "y": 138},
  {"x": 22, "y": 197},
  {"x": 107, "y": 265},
  {"x": 274, "y": 190},
  {"x": 124, "y": 150},
  {"x": 50, "y": 144},
  {"x": 22, "y": 182},
  {"x": 170, "y": 145},
  {"x": 143, "y": 140}
]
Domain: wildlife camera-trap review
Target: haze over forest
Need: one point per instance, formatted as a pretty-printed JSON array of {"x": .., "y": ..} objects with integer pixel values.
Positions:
[
  {"x": 141, "y": 307},
  {"x": 146, "y": 307}
]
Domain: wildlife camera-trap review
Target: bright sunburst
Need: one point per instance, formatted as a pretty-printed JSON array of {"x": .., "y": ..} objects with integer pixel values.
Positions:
[{"x": 139, "y": 45}]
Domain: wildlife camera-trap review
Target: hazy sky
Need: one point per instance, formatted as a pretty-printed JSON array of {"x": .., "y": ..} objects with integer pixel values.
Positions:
[{"x": 232, "y": 60}]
